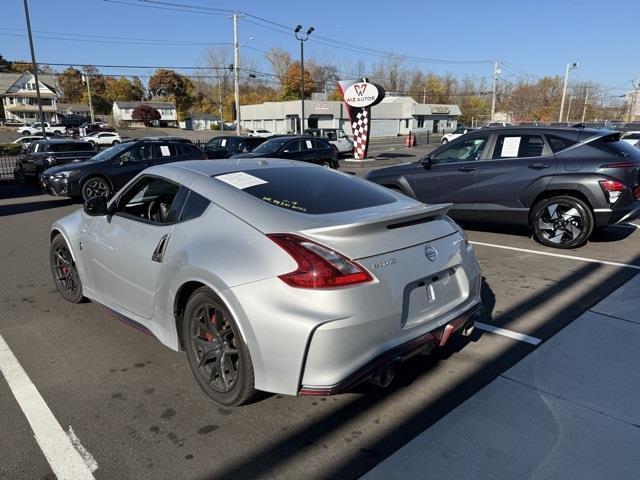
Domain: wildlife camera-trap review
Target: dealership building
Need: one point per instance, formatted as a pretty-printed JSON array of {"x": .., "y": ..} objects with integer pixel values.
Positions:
[{"x": 391, "y": 117}]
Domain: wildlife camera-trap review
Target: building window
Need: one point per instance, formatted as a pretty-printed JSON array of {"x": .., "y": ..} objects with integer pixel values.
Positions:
[
  {"x": 406, "y": 123},
  {"x": 420, "y": 121}
]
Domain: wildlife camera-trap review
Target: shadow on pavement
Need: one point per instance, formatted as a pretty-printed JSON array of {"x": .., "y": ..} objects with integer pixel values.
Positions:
[
  {"x": 10, "y": 189},
  {"x": 18, "y": 208},
  {"x": 265, "y": 462}
]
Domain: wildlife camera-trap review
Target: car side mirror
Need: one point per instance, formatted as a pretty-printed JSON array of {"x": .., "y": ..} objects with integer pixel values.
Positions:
[
  {"x": 426, "y": 163},
  {"x": 96, "y": 206}
]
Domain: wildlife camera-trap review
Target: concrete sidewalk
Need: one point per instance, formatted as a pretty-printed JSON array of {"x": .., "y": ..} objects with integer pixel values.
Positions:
[{"x": 569, "y": 410}]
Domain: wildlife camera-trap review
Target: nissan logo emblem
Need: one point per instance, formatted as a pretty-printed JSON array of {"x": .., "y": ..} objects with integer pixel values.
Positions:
[{"x": 431, "y": 253}]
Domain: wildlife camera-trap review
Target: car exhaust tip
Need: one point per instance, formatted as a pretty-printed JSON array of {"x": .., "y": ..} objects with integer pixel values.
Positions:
[
  {"x": 384, "y": 377},
  {"x": 468, "y": 328}
]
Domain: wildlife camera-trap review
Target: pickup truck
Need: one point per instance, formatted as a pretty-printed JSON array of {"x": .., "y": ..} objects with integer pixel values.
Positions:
[
  {"x": 43, "y": 154},
  {"x": 35, "y": 128}
]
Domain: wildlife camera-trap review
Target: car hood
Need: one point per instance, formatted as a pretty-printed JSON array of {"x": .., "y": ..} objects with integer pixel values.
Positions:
[
  {"x": 394, "y": 170},
  {"x": 74, "y": 165},
  {"x": 248, "y": 155}
]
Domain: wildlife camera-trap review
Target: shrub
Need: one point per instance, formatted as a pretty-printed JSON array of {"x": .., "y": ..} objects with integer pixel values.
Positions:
[{"x": 10, "y": 149}]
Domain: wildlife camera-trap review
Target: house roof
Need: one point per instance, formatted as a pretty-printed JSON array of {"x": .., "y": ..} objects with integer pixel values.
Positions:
[
  {"x": 8, "y": 79},
  {"x": 120, "y": 104}
]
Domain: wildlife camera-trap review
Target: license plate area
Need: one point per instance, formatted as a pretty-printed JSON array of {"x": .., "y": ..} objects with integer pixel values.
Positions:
[{"x": 425, "y": 299}]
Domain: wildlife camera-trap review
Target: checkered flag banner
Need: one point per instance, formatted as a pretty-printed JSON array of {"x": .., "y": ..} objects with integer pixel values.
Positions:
[
  {"x": 359, "y": 97},
  {"x": 360, "y": 129}
]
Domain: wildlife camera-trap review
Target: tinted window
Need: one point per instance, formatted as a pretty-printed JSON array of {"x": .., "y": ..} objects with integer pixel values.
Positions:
[
  {"x": 613, "y": 145},
  {"x": 464, "y": 150},
  {"x": 213, "y": 143},
  {"x": 632, "y": 136},
  {"x": 315, "y": 190},
  {"x": 195, "y": 206},
  {"x": 558, "y": 143},
  {"x": 191, "y": 151},
  {"x": 518, "y": 146},
  {"x": 110, "y": 152},
  {"x": 164, "y": 150},
  {"x": 270, "y": 146},
  {"x": 293, "y": 146},
  {"x": 320, "y": 144},
  {"x": 70, "y": 147}
]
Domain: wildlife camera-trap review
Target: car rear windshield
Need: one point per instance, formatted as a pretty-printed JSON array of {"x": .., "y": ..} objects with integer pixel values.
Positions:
[
  {"x": 632, "y": 136},
  {"x": 311, "y": 190},
  {"x": 613, "y": 145},
  {"x": 70, "y": 147}
]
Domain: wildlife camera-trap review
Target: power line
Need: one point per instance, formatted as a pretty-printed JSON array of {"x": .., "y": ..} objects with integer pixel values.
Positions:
[{"x": 115, "y": 41}]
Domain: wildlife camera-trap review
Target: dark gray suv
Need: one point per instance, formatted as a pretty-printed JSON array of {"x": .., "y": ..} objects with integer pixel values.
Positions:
[{"x": 563, "y": 183}]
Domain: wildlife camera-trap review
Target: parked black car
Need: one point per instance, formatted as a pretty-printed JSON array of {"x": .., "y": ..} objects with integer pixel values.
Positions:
[
  {"x": 226, "y": 146},
  {"x": 563, "y": 183},
  {"x": 46, "y": 153},
  {"x": 305, "y": 148},
  {"x": 112, "y": 168}
]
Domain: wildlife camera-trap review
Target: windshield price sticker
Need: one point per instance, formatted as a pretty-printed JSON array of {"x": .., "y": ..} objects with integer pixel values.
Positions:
[
  {"x": 164, "y": 150},
  {"x": 241, "y": 180}
]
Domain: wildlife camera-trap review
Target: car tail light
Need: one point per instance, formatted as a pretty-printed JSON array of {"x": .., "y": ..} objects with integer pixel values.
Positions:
[
  {"x": 318, "y": 266},
  {"x": 636, "y": 192},
  {"x": 612, "y": 189},
  {"x": 620, "y": 165}
]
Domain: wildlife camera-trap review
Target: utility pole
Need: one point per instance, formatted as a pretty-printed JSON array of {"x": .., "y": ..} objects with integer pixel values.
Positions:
[
  {"x": 424, "y": 94},
  {"x": 220, "y": 95},
  {"x": 35, "y": 70},
  {"x": 569, "y": 109},
  {"x": 634, "y": 99},
  {"x": 236, "y": 71},
  {"x": 496, "y": 72},
  {"x": 302, "y": 39},
  {"x": 85, "y": 77},
  {"x": 584, "y": 108},
  {"x": 570, "y": 66}
]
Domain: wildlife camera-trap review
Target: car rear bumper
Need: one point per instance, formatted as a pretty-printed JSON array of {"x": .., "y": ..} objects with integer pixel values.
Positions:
[
  {"x": 606, "y": 216},
  {"x": 419, "y": 345}
]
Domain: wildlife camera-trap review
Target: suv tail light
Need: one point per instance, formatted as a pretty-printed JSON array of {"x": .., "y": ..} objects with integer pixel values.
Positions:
[
  {"x": 612, "y": 189},
  {"x": 318, "y": 266}
]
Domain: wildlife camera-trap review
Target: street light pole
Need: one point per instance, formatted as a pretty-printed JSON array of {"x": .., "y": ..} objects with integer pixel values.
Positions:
[
  {"x": 570, "y": 66},
  {"x": 86, "y": 78},
  {"x": 236, "y": 71},
  {"x": 569, "y": 108},
  {"x": 302, "y": 39},
  {"x": 584, "y": 108},
  {"x": 35, "y": 70}
]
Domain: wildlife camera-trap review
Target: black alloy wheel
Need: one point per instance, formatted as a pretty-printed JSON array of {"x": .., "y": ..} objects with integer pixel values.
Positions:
[
  {"x": 218, "y": 357},
  {"x": 64, "y": 270},
  {"x": 562, "y": 222},
  {"x": 95, "y": 187}
]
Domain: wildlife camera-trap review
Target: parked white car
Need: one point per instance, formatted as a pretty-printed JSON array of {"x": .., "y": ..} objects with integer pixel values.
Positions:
[
  {"x": 260, "y": 133},
  {"x": 25, "y": 141},
  {"x": 631, "y": 137},
  {"x": 103, "y": 138},
  {"x": 458, "y": 132},
  {"x": 36, "y": 127},
  {"x": 335, "y": 136}
]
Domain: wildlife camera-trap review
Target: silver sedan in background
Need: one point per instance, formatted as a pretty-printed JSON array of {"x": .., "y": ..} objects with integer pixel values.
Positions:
[{"x": 272, "y": 275}]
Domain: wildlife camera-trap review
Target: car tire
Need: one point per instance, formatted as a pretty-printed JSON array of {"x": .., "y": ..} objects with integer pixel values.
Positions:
[
  {"x": 19, "y": 176},
  {"x": 57, "y": 132},
  {"x": 64, "y": 270},
  {"x": 326, "y": 164},
  {"x": 92, "y": 143},
  {"x": 444, "y": 140},
  {"x": 115, "y": 142},
  {"x": 562, "y": 222},
  {"x": 25, "y": 132},
  {"x": 94, "y": 187},
  {"x": 218, "y": 357}
]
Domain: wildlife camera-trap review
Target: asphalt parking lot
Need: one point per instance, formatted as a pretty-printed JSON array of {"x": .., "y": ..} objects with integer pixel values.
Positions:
[{"x": 132, "y": 408}]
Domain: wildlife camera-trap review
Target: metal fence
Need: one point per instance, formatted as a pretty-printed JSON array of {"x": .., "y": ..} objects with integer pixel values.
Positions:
[{"x": 7, "y": 164}]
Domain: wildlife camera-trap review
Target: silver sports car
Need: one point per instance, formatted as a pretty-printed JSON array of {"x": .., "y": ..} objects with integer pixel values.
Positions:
[{"x": 272, "y": 275}]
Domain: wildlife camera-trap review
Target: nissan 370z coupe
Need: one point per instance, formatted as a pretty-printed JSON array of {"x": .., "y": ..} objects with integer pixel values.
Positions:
[{"x": 272, "y": 275}]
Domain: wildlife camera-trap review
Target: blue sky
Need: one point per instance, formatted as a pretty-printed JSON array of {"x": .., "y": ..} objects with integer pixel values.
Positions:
[{"x": 536, "y": 37}]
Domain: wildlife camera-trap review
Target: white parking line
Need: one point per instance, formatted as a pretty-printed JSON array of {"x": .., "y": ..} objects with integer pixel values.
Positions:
[
  {"x": 559, "y": 255},
  {"x": 508, "y": 333},
  {"x": 65, "y": 461}
]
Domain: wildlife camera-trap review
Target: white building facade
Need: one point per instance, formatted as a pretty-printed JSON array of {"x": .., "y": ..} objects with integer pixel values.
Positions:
[
  {"x": 392, "y": 117},
  {"x": 122, "y": 114},
  {"x": 20, "y": 101}
]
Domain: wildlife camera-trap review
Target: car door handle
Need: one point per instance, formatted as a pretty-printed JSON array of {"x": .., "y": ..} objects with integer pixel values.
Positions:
[
  {"x": 538, "y": 166},
  {"x": 467, "y": 169},
  {"x": 158, "y": 253}
]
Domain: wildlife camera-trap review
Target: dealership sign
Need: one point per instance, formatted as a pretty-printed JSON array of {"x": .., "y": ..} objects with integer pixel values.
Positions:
[
  {"x": 361, "y": 94},
  {"x": 359, "y": 97}
]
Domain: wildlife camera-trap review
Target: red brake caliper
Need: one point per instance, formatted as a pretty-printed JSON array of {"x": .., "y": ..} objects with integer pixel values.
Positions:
[{"x": 213, "y": 322}]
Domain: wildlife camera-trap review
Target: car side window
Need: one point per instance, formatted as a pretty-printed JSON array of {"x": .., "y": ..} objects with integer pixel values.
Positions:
[
  {"x": 319, "y": 144},
  {"x": 293, "y": 146},
  {"x": 466, "y": 150},
  {"x": 150, "y": 199},
  {"x": 131, "y": 155},
  {"x": 164, "y": 150},
  {"x": 558, "y": 143},
  {"x": 518, "y": 146},
  {"x": 194, "y": 206},
  {"x": 214, "y": 143}
]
